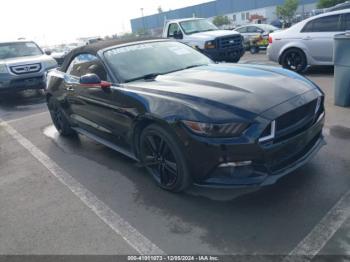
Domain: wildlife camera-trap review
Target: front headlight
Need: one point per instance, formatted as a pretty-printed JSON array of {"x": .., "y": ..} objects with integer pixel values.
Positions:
[
  {"x": 3, "y": 69},
  {"x": 210, "y": 44},
  {"x": 51, "y": 63},
  {"x": 216, "y": 130}
]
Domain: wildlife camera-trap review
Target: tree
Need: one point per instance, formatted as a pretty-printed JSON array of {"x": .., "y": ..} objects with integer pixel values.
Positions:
[
  {"x": 221, "y": 20},
  {"x": 160, "y": 9},
  {"x": 287, "y": 11},
  {"x": 329, "y": 3}
]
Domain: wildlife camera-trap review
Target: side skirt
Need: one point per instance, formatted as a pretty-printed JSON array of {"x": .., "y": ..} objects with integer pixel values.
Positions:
[{"x": 106, "y": 143}]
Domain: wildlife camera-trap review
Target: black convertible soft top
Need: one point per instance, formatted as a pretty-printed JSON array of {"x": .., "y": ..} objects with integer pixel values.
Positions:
[{"x": 94, "y": 48}]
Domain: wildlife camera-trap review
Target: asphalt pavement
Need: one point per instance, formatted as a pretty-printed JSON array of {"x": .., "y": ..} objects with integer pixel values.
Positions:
[{"x": 75, "y": 196}]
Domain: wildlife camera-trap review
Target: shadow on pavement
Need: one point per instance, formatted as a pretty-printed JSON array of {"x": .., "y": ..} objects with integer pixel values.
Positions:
[
  {"x": 320, "y": 70},
  {"x": 15, "y": 101}
]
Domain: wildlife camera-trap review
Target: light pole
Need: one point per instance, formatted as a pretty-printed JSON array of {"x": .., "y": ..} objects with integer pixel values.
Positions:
[{"x": 143, "y": 20}]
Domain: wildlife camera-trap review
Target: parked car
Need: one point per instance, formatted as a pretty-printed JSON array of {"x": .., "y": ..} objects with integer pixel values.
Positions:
[
  {"x": 23, "y": 65},
  {"x": 256, "y": 36},
  {"x": 345, "y": 5},
  {"x": 186, "y": 118},
  {"x": 59, "y": 54},
  {"x": 219, "y": 45},
  {"x": 309, "y": 42}
]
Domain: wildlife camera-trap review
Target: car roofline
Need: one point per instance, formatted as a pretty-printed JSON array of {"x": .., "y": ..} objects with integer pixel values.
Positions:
[
  {"x": 17, "y": 41},
  {"x": 101, "y": 51},
  {"x": 337, "y": 12}
]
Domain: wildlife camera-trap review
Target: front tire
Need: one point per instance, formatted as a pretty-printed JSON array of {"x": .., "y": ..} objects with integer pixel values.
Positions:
[
  {"x": 294, "y": 59},
  {"x": 59, "y": 119},
  {"x": 254, "y": 50},
  {"x": 164, "y": 159}
]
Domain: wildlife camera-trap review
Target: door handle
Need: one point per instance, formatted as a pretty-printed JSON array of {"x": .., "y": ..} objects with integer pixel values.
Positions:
[
  {"x": 307, "y": 38},
  {"x": 69, "y": 88}
]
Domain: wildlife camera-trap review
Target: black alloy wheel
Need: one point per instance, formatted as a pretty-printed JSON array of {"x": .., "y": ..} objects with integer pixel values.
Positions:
[
  {"x": 163, "y": 158},
  {"x": 59, "y": 119},
  {"x": 254, "y": 50},
  {"x": 295, "y": 60}
]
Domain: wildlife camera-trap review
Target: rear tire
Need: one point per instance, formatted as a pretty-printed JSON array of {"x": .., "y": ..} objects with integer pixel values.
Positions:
[
  {"x": 294, "y": 59},
  {"x": 59, "y": 119},
  {"x": 254, "y": 50},
  {"x": 163, "y": 158}
]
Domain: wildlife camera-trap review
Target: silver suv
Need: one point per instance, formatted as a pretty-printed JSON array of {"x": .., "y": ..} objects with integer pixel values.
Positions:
[
  {"x": 23, "y": 65},
  {"x": 309, "y": 42}
]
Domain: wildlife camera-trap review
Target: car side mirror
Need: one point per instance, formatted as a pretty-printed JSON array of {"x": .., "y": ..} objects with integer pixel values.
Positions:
[
  {"x": 93, "y": 80},
  {"x": 48, "y": 52},
  {"x": 178, "y": 35}
]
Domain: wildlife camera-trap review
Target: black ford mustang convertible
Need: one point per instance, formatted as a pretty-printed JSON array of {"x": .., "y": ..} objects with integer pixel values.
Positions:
[{"x": 184, "y": 118}]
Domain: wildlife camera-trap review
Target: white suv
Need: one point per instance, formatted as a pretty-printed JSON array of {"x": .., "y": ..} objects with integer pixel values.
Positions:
[{"x": 309, "y": 42}]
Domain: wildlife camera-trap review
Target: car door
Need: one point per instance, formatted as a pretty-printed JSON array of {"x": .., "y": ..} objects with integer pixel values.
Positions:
[
  {"x": 105, "y": 112},
  {"x": 243, "y": 31},
  {"x": 253, "y": 32},
  {"x": 317, "y": 35}
]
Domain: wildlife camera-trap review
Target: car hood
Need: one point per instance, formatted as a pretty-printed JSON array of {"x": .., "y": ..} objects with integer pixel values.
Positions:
[
  {"x": 58, "y": 54},
  {"x": 250, "y": 88},
  {"x": 26, "y": 60},
  {"x": 214, "y": 34}
]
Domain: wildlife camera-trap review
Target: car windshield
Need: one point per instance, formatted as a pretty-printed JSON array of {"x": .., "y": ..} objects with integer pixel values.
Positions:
[
  {"x": 151, "y": 59},
  {"x": 196, "y": 26},
  {"x": 19, "y": 49}
]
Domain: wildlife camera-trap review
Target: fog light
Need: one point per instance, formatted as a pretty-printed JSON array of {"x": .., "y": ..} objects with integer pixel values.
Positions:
[
  {"x": 236, "y": 164},
  {"x": 236, "y": 169}
]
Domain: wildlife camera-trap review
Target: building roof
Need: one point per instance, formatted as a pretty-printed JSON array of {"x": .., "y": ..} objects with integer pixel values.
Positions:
[{"x": 184, "y": 19}]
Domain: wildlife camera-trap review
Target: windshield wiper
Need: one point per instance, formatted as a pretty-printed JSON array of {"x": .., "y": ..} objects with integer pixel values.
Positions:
[
  {"x": 150, "y": 76},
  {"x": 185, "y": 68},
  {"x": 193, "y": 66}
]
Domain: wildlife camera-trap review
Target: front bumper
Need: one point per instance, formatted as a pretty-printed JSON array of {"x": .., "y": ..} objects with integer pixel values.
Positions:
[
  {"x": 267, "y": 162},
  {"x": 10, "y": 83},
  {"x": 227, "y": 55}
]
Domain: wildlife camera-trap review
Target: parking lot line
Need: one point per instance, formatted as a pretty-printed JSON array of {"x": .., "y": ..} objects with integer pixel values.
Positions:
[
  {"x": 26, "y": 117},
  {"x": 133, "y": 237},
  {"x": 313, "y": 243}
]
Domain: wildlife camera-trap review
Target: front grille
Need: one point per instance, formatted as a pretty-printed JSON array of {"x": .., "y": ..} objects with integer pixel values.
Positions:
[
  {"x": 32, "y": 81},
  {"x": 230, "y": 41},
  {"x": 267, "y": 131},
  {"x": 293, "y": 117},
  {"x": 25, "y": 69},
  {"x": 293, "y": 122}
]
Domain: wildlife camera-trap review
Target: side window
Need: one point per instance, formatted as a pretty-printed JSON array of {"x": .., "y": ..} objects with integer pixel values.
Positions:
[
  {"x": 252, "y": 29},
  {"x": 172, "y": 29},
  {"x": 87, "y": 64},
  {"x": 347, "y": 22},
  {"x": 72, "y": 64},
  {"x": 242, "y": 30},
  {"x": 330, "y": 23}
]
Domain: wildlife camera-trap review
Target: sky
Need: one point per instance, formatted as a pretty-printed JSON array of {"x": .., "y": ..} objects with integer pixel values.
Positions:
[{"x": 60, "y": 21}]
